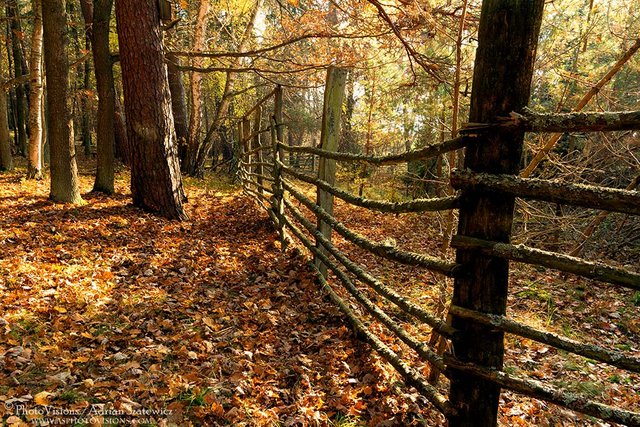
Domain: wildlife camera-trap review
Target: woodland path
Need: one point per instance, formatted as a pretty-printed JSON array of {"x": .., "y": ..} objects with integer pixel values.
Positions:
[{"x": 106, "y": 306}]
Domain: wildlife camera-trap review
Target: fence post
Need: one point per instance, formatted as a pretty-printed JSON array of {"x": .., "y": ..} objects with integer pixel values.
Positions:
[
  {"x": 329, "y": 135},
  {"x": 278, "y": 157},
  {"x": 246, "y": 133},
  {"x": 507, "y": 42},
  {"x": 238, "y": 152},
  {"x": 256, "y": 143}
]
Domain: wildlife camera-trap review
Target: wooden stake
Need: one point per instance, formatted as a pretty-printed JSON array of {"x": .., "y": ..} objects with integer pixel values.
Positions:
[
  {"x": 507, "y": 41},
  {"x": 330, "y": 133}
]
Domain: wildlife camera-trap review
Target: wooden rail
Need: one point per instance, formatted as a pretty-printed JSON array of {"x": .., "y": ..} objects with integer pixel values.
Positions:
[{"x": 283, "y": 199}]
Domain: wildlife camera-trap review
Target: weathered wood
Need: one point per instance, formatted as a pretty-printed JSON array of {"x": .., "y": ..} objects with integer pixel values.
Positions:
[
  {"x": 260, "y": 177},
  {"x": 417, "y": 205},
  {"x": 422, "y": 349},
  {"x": 588, "y": 196},
  {"x": 410, "y": 375},
  {"x": 566, "y": 263},
  {"x": 614, "y": 358},
  {"x": 375, "y": 284},
  {"x": 277, "y": 200},
  {"x": 551, "y": 142},
  {"x": 330, "y": 133},
  {"x": 257, "y": 164},
  {"x": 384, "y": 250},
  {"x": 507, "y": 41},
  {"x": 536, "y": 389},
  {"x": 247, "y": 152},
  {"x": 574, "y": 122},
  {"x": 263, "y": 164},
  {"x": 393, "y": 159}
]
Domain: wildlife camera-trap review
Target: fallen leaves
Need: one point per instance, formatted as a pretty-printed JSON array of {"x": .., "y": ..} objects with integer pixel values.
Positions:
[{"x": 107, "y": 308}]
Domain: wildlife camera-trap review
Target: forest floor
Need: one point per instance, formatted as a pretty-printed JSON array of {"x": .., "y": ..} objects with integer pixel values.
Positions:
[{"x": 109, "y": 314}]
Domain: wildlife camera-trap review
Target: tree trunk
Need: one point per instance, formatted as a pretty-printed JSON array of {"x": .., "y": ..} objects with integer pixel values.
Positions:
[
  {"x": 156, "y": 184},
  {"x": 85, "y": 122},
  {"x": 178, "y": 105},
  {"x": 97, "y": 16},
  {"x": 35, "y": 162},
  {"x": 120, "y": 127},
  {"x": 507, "y": 41},
  {"x": 19, "y": 70},
  {"x": 195, "y": 120},
  {"x": 64, "y": 174},
  {"x": 6, "y": 159}
]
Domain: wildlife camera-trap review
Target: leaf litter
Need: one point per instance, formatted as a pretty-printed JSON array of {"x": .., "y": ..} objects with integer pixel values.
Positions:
[{"x": 112, "y": 312}]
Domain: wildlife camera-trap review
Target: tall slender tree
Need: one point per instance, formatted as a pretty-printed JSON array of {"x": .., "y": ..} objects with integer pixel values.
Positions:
[
  {"x": 35, "y": 161},
  {"x": 6, "y": 158},
  {"x": 156, "y": 183},
  {"x": 64, "y": 174},
  {"x": 20, "y": 69},
  {"x": 97, "y": 16},
  {"x": 195, "y": 120}
]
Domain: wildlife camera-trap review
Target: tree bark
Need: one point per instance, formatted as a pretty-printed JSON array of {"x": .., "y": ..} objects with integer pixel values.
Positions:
[
  {"x": 507, "y": 41},
  {"x": 20, "y": 69},
  {"x": 195, "y": 120},
  {"x": 6, "y": 159},
  {"x": 64, "y": 175},
  {"x": 178, "y": 104},
  {"x": 156, "y": 184},
  {"x": 120, "y": 127},
  {"x": 97, "y": 16},
  {"x": 35, "y": 162}
]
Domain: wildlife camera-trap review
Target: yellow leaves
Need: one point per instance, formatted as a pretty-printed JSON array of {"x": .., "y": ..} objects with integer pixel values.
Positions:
[
  {"x": 42, "y": 398},
  {"x": 295, "y": 3}
]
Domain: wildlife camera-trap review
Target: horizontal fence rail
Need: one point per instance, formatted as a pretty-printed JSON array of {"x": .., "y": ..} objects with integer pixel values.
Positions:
[
  {"x": 418, "y": 205},
  {"x": 392, "y": 159},
  {"x": 566, "y": 263},
  {"x": 586, "y": 196},
  {"x": 530, "y": 121},
  {"x": 276, "y": 189}
]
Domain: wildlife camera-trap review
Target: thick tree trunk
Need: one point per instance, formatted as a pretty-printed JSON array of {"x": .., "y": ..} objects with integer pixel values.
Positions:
[
  {"x": 507, "y": 41},
  {"x": 64, "y": 175},
  {"x": 19, "y": 70},
  {"x": 195, "y": 120},
  {"x": 97, "y": 15},
  {"x": 178, "y": 105},
  {"x": 35, "y": 162},
  {"x": 156, "y": 184}
]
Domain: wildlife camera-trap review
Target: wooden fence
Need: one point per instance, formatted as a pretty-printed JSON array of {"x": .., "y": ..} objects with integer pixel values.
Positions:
[{"x": 485, "y": 200}]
